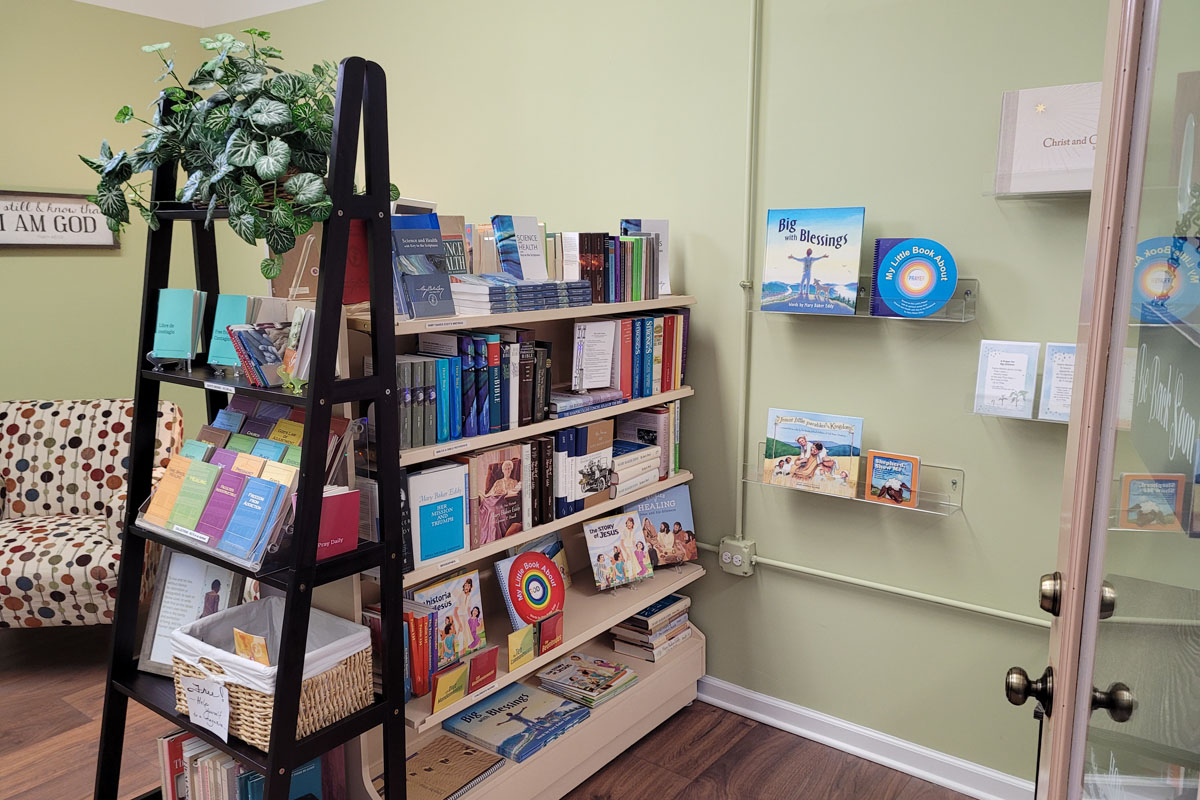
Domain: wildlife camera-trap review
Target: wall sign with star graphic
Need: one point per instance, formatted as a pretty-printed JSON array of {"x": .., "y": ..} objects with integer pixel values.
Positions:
[{"x": 1048, "y": 139}]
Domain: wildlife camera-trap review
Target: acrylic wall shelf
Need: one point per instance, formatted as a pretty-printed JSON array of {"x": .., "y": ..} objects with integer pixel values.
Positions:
[
  {"x": 959, "y": 308},
  {"x": 1018, "y": 419},
  {"x": 939, "y": 489}
]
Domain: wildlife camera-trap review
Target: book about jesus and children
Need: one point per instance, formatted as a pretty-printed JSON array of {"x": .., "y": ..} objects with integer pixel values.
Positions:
[
  {"x": 817, "y": 452},
  {"x": 810, "y": 265}
]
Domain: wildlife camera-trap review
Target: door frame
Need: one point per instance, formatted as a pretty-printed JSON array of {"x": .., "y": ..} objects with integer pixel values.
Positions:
[{"x": 1089, "y": 440}]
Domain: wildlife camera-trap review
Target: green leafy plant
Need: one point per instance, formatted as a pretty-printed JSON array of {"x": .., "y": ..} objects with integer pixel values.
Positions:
[{"x": 257, "y": 144}]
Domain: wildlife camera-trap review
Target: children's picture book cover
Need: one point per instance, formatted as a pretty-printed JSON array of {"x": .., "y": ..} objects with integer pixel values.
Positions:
[
  {"x": 522, "y": 646},
  {"x": 811, "y": 261},
  {"x": 813, "y": 451},
  {"x": 459, "y": 609},
  {"x": 532, "y": 587},
  {"x": 892, "y": 478},
  {"x": 1151, "y": 502},
  {"x": 517, "y": 721},
  {"x": 667, "y": 526},
  {"x": 551, "y": 545},
  {"x": 1166, "y": 280},
  {"x": 617, "y": 550}
]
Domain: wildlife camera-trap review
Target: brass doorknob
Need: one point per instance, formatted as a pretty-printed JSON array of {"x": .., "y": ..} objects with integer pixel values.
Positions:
[
  {"x": 1117, "y": 700},
  {"x": 1018, "y": 687},
  {"x": 1108, "y": 600},
  {"x": 1050, "y": 593}
]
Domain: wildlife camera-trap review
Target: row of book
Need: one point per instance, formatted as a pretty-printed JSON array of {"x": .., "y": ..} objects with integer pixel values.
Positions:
[
  {"x": 192, "y": 769},
  {"x": 588, "y": 680},
  {"x": 653, "y": 631}
]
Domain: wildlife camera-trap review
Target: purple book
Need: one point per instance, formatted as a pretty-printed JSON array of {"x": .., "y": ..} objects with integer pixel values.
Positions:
[
  {"x": 271, "y": 411},
  {"x": 221, "y": 505},
  {"x": 242, "y": 404},
  {"x": 258, "y": 428},
  {"x": 882, "y": 248},
  {"x": 223, "y": 458}
]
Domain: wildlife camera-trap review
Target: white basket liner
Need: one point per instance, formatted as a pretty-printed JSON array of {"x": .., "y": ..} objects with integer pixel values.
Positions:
[{"x": 330, "y": 640}]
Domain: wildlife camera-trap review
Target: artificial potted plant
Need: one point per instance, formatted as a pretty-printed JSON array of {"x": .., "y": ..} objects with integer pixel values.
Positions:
[{"x": 257, "y": 144}]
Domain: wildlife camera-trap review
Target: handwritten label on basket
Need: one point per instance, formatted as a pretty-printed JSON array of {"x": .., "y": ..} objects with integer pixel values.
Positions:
[{"x": 208, "y": 705}]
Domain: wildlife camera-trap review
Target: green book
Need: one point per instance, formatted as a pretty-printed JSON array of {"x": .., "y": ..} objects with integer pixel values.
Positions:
[
  {"x": 232, "y": 309},
  {"x": 291, "y": 456},
  {"x": 175, "y": 329},
  {"x": 196, "y": 450},
  {"x": 193, "y": 494},
  {"x": 241, "y": 443}
]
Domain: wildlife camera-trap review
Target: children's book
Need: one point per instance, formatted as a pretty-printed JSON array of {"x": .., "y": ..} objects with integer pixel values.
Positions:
[
  {"x": 483, "y": 668},
  {"x": 667, "y": 526},
  {"x": 911, "y": 278},
  {"x": 811, "y": 260},
  {"x": 517, "y": 721},
  {"x": 522, "y": 646},
  {"x": 532, "y": 587},
  {"x": 551, "y": 546},
  {"x": 449, "y": 686},
  {"x": 892, "y": 478},
  {"x": 617, "y": 550},
  {"x": 813, "y": 451},
  {"x": 447, "y": 768},
  {"x": 1151, "y": 502},
  {"x": 460, "y": 615}
]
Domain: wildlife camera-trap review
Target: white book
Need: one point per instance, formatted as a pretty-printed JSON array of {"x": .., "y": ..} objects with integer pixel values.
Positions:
[
  {"x": 570, "y": 256},
  {"x": 531, "y": 246},
  {"x": 639, "y": 480},
  {"x": 650, "y": 453},
  {"x": 592, "y": 355},
  {"x": 1048, "y": 139},
  {"x": 514, "y": 384},
  {"x": 526, "y": 488},
  {"x": 440, "y": 519}
]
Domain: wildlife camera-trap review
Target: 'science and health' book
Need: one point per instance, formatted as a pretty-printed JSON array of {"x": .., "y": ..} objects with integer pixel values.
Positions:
[
  {"x": 811, "y": 260},
  {"x": 813, "y": 451}
]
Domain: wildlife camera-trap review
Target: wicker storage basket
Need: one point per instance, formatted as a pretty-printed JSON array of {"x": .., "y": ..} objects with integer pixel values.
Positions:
[{"x": 337, "y": 668}]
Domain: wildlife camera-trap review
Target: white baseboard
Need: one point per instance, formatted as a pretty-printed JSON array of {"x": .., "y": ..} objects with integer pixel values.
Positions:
[{"x": 965, "y": 777}]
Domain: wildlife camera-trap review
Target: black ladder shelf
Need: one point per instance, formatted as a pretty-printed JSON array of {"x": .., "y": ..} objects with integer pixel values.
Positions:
[{"x": 361, "y": 91}]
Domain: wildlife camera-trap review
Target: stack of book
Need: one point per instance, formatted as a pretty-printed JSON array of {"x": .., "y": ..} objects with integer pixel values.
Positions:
[
  {"x": 654, "y": 630},
  {"x": 177, "y": 333},
  {"x": 586, "y": 679},
  {"x": 192, "y": 769},
  {"x": 501, "y": 293}
]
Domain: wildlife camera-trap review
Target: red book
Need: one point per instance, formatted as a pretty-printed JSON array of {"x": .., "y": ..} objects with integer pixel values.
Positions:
[
  {"x": 339, "y": 524},
  {"x": 357, "y": 288},
  {"x": 172, "y": 768},
  {"x": 668, "y": 359},
  {"x": 550, "y": 633},
  {"x": 482, "y": 669}
]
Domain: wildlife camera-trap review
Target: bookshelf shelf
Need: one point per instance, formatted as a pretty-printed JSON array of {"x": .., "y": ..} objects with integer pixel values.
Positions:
[
  {"x": 940, "y": 489},
  {"x": 426, "y": 573},
  {"x": 959, "y": 308},
  {"x": 361, "y": 322},
  {"x": 418, "y": 455},
  {"x": 586, "y": 614},
  {"x": 663, "y": 688},
  {"x": 205, "y": 377}
]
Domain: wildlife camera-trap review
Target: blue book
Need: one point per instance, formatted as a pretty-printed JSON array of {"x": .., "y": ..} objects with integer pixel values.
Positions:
[
  {"x": 306, "y": 781},
  {"x": 647, "y": 356},
  {"x": 407, "y": 668},
  {"x": 231, "y": 310},
  {"x": 882, "y": 248},
  {"x": 197, "y": 451},
  {"x": 456, "y": 398},
  {"x": 416, "y": 243},
  {"x": 269, "y": 449},
  {"x": 176, "y": 325},
  {"x": 282, "y": 496},
  {"x": 584, "y": 409},
  {"x": 483, "y": 388},
  {"x": 443, "y": 400},
  {"x": 539, "y": 716},
  {"x": 228, "y": 420},
  {"x": 671, "y": 534},
  {"x": 580, "y": 451},
  {"x": 564, "y": 455},
  {"x": 637, "y": 356},
  {"x": 624, "y": 446},
  {"x": 466, "y": 357},
  {"x": 249, "y": 518},
  {"x": 810, "y": 265},
  {"x": 428, "y": 295}
]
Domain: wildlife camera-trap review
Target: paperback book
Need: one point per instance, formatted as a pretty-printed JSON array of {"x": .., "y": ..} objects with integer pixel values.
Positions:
[
  {"x": 811, "y": 260},
  {"x": 892, "y": 478},
  {"x": 459, "y": 607},
  {"x": 532, "y": 587},
  {"x": 617, "y": 550},
  {"x": 667, "y": 526},
  {"x": 1151, "y": 502},
  {"x": 813, "y": 451}
]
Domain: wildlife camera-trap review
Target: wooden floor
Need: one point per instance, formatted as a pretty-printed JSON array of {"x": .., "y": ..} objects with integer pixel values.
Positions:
[{"x": 51, "y": 693}]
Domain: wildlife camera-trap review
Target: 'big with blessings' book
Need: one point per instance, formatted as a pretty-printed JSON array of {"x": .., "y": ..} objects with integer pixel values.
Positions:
[{"x": 811, "y": 260}]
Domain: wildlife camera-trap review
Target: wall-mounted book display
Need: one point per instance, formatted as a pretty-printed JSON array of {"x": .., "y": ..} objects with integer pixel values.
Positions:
[
  {"x": 1047, "y": 140},
  {"x": 1007, "y": 376}
]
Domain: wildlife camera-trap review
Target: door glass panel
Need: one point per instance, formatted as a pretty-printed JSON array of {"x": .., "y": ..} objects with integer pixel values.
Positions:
[{"x": 1151, "y": 543}]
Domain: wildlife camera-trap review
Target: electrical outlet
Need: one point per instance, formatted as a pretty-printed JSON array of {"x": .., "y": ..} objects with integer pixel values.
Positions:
[{"x": 737, "y": 556}]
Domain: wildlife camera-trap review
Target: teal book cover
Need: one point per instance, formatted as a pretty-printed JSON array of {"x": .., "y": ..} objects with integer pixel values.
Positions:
[
  {"x": 813, "y": 451},
  {"x": 196, "y": 450},
  {"x": 306, "y": 783},
  {"x": 231, "y": 310},
  {"x": 175, "y": 324},
  {"x": 811, "y": 260},
  {"x": 269, "y": 449}
]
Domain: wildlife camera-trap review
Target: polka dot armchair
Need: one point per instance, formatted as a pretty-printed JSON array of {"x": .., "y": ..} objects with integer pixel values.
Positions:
[{"x": 63, "y": 466}]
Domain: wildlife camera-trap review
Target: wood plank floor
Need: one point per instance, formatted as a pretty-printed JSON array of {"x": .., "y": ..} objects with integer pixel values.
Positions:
[{"x": 51, "y": 694}]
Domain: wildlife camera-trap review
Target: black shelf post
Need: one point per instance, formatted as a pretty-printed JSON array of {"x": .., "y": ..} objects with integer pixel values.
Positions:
[{"x": 362, "y": 93}]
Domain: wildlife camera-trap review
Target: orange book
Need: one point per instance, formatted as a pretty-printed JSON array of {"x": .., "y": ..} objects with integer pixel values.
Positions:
[
  {"x": 163, "y": 499},
  {"x": 1151, "y": 502},
  {"x": 249, "y": 465},
  {"x": 893, "y": 478}
]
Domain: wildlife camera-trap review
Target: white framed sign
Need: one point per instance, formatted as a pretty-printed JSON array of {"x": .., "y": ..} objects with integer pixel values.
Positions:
[{"x": 48, "y": 219}]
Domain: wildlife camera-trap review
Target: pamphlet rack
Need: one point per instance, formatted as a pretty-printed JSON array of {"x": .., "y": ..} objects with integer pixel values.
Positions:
[
  {"x": 361, "y": 93},
  {"x": 939, "y": 489}
]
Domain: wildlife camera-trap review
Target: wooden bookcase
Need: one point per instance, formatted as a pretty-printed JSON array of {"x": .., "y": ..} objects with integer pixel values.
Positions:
[{"x": 663, "y": 687}]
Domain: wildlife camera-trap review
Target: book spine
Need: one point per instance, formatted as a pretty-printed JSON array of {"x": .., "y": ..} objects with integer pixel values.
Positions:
[
  {"x": 431, "y": 401},
  {"x": 418, "y": 404},
  {"x": 584, "y": 409},
  {"x": 483, "y": 389},
  {"x": 647, "y": 356},
  {"x": 575, "y": 491},
  {"x": 526, "y": 488},
  {"x": 525, "y": 391},
  {"x": 625, "y": 342},
  {"x": 514, "y": 384},
  {"x": 539, "y": 384},
  {"x": 636, "y": 367},
  {"x": 656, "y": 370},
  {"x": 686, "y": 314},
  {"x": 564, "y": 449},
  {"x": 493, "y": 365},
  {"x": 675, "y": 439},
  {"x": 544, "y": 399},
  {"x": 547, "y": 479},
  {"x": 534, "y": 493},
  {"x": 456, "y": 397},
  {"x": 466, "y": 357},
  {"x": 505, "y": 380},
  {"x": 442, "y": 367},
  {"x": 668, "y": 358}
]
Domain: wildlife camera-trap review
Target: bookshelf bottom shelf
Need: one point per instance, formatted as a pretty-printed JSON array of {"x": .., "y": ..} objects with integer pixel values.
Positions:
[{"x": 663, "y": 688}]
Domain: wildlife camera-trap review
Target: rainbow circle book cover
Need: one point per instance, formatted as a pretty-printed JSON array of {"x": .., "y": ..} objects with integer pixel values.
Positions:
[{"x": 811, "y": 261}]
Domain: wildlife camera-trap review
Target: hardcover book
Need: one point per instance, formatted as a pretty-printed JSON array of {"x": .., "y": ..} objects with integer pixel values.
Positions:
[
  {"x": 496, "y": 494},
  {"x": 813, "y": 451},
  {"x": 892, "y": 478},
  {"x": 1151, "y": 502},
  {"x": 532, "y": 587},
  {"x": 440, "y": 520},
  {"x": 662, "y": 228},
  {"x": 483, "y": 668},
  {"x": 911, "y": 278},
  {"x": 667, "y": 526},
  {"x": 811, "y": 260},
  {"x": 517, "y": 721},
  {"x": 1048, "y": 139},
  {"x": 593, "y": 463},
  {"x": 617, "y": 550},
  {"x": 459, "y": 607}
]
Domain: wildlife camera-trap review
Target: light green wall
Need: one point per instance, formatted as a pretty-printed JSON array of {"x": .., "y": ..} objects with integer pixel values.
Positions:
[{"x": 582, "y": 113}]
